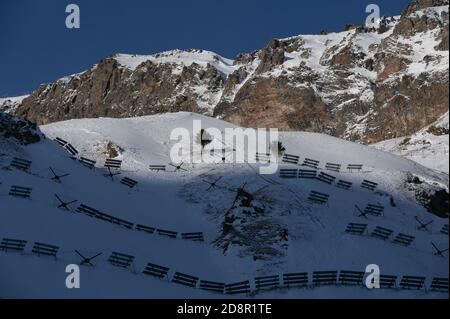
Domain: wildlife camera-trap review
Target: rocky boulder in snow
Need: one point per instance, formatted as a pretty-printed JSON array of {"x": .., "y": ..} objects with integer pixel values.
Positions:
[
  {"x": 434, "y": 198},
  {"x": 22, "y": 130}
]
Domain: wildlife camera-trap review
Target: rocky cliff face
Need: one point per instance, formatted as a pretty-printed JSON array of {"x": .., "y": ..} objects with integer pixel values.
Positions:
[
  {"x": 248, "y": 226},
  {"x": 18, "y": 130},
  {"x": 127, "y": 86},
  {"x": 360, "y": 84}
]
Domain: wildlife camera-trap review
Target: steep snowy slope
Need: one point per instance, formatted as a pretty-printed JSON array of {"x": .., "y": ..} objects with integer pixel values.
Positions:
[
  {"x": 428, "y": 147},
  {"x": 180, "y": 58},
  {"x": 274, "y": 229}
]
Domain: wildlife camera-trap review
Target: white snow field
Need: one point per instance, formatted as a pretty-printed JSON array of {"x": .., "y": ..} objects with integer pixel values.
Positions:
[
  {"x": 423, "y": 147},
  {"x": 180, "y": 58},
  {"x": 179, "y": 201}
]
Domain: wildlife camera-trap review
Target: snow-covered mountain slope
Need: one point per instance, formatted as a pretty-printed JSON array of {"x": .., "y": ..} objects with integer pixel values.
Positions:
[
  {"x": 429, "y": 146},
  {"x": 346, "y": 84},
  {"x": 9, "y": 104},
  {"x": 253, "y": 224},
  {"x": 181, "y": 58}
]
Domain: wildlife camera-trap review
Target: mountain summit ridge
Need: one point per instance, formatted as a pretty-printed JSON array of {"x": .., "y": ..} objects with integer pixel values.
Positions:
[{"x": 347, "y": 84}]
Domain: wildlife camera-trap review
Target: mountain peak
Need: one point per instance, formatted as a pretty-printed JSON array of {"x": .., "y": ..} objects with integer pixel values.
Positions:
[
  {"x": 178, "y": 57},
  {"x": 416, "y": 5},
  {"x": 343, "y": 83}
]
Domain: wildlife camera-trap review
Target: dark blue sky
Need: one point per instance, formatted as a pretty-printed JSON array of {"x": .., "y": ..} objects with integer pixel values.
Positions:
[{"x": 36, "y": 47}]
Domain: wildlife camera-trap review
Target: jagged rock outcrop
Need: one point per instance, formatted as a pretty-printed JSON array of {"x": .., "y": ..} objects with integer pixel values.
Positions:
[
  {"x": 271, "y": 102},
  {"x": 21, "y": 130},
  {"x": 361, "y": 84},
  {"x": 423, "y": 4},
  {"x": 9, "y": 105},
  {"x": 434, "y": 198},
  {"x": 387, "y": 89},
  {"x": 110, "y": 90},
  {"x": 271, "y": 56},
  {"x": 247, "y": 225}
]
